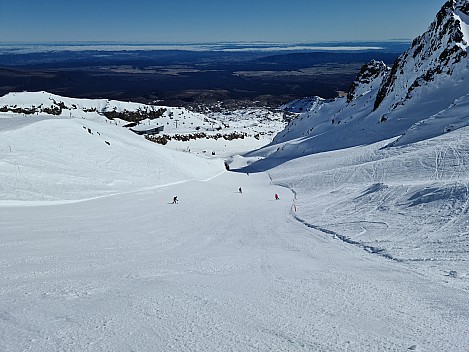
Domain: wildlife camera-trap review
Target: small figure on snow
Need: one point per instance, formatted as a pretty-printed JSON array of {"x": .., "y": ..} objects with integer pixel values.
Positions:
[
  {"x": 240, "y": 190},
  {"x": 175, "y": 200},
  {"x": 276, "y": 196}
]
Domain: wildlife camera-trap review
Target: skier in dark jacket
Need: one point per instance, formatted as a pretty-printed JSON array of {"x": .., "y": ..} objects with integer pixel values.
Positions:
[{"x": 175, "y": 200}]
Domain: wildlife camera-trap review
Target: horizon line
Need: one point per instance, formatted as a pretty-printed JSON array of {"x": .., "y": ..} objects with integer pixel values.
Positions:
[{"x": 260, "y": 42}]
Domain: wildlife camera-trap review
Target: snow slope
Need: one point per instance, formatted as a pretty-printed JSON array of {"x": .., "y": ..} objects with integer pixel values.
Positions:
[
  {"x": 407, "y": 203},
  {"x": 56, "y": 159},
  {"x": 123, "y": 269},
  {"x": 390, "y": 174},
  {"x": 302, "y": 105},
  {"x": 366, "y": 249},
  {"x": 219, "y": 271},
  {"x": 252, "y": 128}
]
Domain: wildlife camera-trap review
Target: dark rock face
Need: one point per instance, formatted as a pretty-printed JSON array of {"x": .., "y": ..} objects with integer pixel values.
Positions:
[
  {"x": 464, "y": 8},
  {"x": 461, "y": 6},
  {"x": 368, "y": 73},
  {"x": 383, "y": 90}
]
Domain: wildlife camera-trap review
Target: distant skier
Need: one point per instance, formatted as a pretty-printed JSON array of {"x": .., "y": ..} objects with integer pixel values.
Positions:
[
  {"x": 175, "y": 200},
  {"x": 276, "y": 196},
  {"x": 240, "y": 190}
]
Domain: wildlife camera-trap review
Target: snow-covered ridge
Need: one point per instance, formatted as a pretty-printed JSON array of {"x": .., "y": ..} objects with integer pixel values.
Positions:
[
  {"x": 462, "y": 14},
  {"x": 148, "y": 116},
  {"x": 143, "y": 117},
  {"x": 302, "y": 105},
  {"x": 441, "y": 50},
  {"x": 85, "y": 148},
  {"x": 426, "y": 83}
]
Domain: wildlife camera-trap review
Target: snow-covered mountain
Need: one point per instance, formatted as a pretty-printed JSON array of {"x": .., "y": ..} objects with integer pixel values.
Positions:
[
  {"x": 390, "y": 158},
  {"x": 173, "y": 119},
  {"x": 366, "y": 248},
  {"x": 423, "y": 95},
  {"x": 436, "y": 57}
]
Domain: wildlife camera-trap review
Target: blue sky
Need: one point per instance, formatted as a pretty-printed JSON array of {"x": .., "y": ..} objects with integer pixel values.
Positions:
[{"x": 213, "y": 20}]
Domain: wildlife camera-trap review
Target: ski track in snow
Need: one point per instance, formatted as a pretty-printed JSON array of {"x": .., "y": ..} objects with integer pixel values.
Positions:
[
  {"x": 93, "y": 257},
  {"x": 10, "y": 203},
  {"x": 409, "y": 203},
  {"x": 218, "y": 271}
]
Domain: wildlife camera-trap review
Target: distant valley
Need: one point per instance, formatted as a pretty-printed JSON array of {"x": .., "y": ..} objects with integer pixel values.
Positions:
[{"x": 190, "y": 76}]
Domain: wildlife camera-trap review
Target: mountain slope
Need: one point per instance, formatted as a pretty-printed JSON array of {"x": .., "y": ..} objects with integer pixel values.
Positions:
[
  {"x": 427, "y": 82},
  {"x": 220, "y": 271},
  {"x": 49, "y": 159},
  {"x": 392, "y": 177},
  {"x": 434, "y": 55},
  {"x": 407, "y": 203},
  {"x": 217, "y": 128}
]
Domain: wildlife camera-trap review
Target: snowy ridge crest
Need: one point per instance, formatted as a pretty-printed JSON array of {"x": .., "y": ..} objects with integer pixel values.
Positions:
[
  {"x": 423, "y": 95},
  {"x": 438, "y": 51}
]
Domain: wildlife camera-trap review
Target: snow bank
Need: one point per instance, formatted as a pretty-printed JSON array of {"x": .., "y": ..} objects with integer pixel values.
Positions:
[{"x": 54, "y": 159}]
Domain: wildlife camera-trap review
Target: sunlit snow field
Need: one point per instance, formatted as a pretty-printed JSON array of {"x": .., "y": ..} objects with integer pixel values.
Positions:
[{"x": 366, "y": 249}]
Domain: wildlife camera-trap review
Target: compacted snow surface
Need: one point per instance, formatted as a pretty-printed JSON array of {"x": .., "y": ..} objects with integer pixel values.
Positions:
[
  {"x": 366, "y": 249},
  {"x": 94, "y": 257}
]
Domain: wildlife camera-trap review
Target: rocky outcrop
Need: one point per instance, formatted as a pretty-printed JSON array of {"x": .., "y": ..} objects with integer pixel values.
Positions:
[
  {"x": 436, "y": 52},
  {"x": 370, "y": 74}
]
